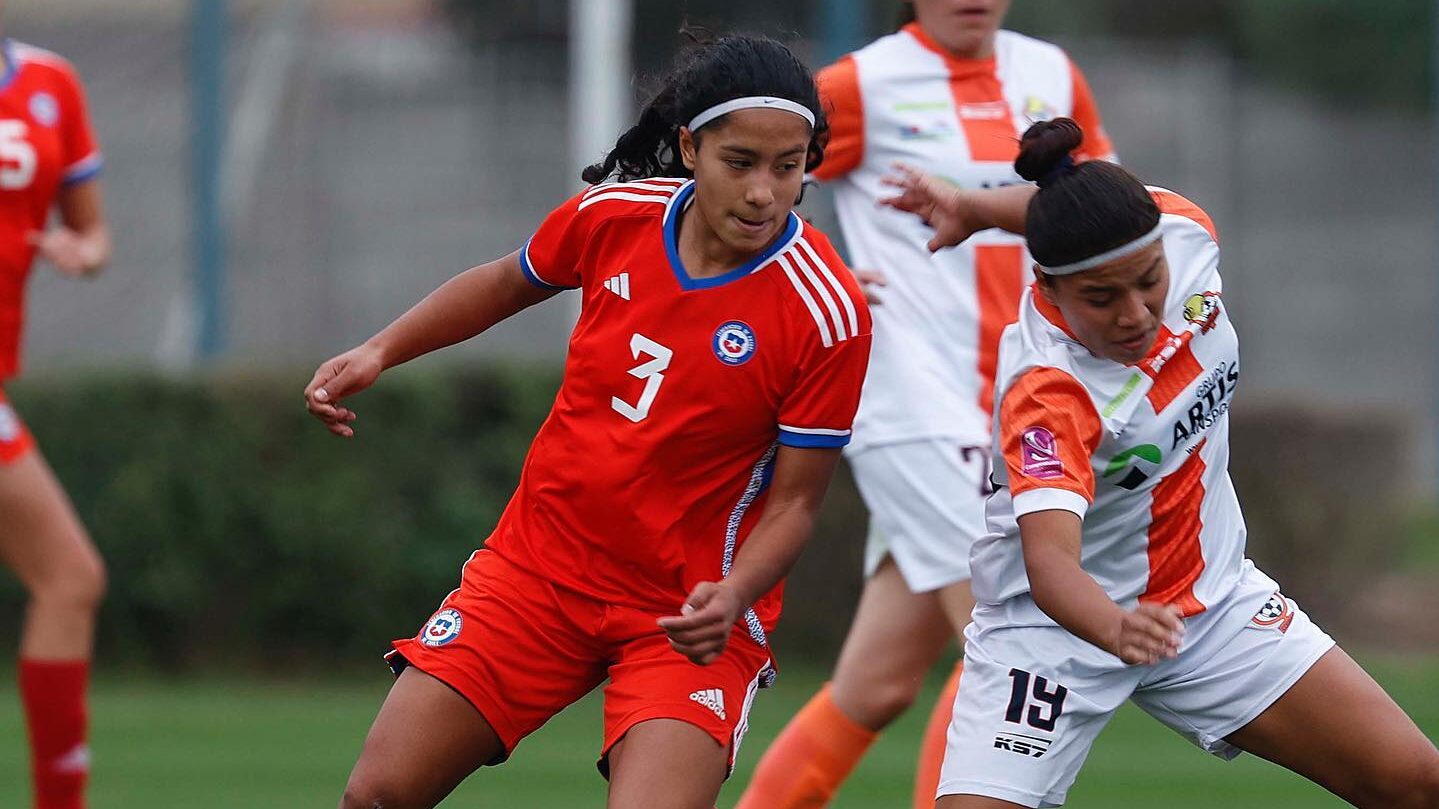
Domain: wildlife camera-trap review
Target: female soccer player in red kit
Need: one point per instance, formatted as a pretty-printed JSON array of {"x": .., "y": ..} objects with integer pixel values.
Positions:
[
  {"x": 710, "y": 382},
  {"x": 48, "y": 159}
]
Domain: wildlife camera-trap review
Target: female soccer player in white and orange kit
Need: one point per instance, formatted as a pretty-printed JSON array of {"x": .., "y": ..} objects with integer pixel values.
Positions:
[
  {"x": 949, "y": 92},
  {"x": 1114, "y": 568},
  {"x": 49, "y": 159}
]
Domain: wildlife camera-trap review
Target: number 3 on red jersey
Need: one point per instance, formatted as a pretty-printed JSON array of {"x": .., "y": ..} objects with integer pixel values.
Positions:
[{"x": 651, "y": 371}]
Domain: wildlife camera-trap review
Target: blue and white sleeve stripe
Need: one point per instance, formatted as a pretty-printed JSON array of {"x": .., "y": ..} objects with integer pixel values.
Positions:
[
  {"x": 83, "y": 169},
  {"x": 529, "y": 270},
  {"x": 812, "y": 437}
]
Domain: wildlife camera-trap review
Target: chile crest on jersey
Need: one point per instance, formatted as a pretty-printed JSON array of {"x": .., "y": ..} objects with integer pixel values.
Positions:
[{"x": 734, "y": 342}]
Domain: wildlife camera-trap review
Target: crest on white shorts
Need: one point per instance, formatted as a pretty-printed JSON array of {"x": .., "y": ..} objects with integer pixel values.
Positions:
[
  {"x": 1276, "y": 612},
  {"x": 443, "y": 627}
]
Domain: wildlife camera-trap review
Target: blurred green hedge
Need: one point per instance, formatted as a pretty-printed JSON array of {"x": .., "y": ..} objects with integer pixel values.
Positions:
[{"x": 238, "y": 531}]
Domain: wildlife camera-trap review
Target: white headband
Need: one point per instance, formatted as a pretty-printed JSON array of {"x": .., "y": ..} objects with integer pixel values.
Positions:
[
  {"x": 750, "y": 102},
  {"x": 1109, "y": 255}
]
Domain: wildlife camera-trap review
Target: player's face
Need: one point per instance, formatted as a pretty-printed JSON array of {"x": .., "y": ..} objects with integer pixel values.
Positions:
[
  {"x": 1115, "y": 309},
  {"x": 749, "y": 168},
  {"x": 963, "y": 27}
]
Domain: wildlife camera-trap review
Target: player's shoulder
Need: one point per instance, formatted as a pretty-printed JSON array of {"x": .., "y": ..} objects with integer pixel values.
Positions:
[
  {"x": 820, "y": 288},
  {"x": 1175, "y": 209},
  {"x": 650, "y": 197},
  {"x": 1013, "y": 49},
  {"x": 40, "y": 61}
]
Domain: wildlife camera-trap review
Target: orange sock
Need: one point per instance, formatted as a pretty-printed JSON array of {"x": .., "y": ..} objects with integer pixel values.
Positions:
[
  {"x": 931, "y": 750},
  {"x": 811, "y": 757}
]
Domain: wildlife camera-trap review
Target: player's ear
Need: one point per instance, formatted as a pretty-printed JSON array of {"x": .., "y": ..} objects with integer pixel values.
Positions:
[
  {"x": 1046, "y": 285},
  {"x": 688, "y": 148}
]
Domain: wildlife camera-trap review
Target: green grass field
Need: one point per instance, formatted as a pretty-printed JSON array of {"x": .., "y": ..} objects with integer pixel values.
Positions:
[{"x": 220, "y": 744}]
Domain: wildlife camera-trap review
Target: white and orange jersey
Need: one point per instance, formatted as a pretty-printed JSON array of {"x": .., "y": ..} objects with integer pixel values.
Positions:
[
  {"x": 1140, "y": 452},
  {"x": 904, "y": 98}
]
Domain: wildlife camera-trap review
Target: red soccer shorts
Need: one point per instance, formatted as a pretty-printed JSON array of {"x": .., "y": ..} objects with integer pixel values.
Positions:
[
  {"x": 15, "y": 440},
  {"x": 521, "y": 650}
]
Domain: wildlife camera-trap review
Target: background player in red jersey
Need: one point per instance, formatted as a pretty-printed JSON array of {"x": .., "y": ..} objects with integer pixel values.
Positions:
[
  {"x": 710, "y": 382},
  {"x": 48, "y": 158}
]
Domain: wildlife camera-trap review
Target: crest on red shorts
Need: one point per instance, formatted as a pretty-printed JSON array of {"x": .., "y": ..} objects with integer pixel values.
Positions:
[{"x": 443, "y": 627}]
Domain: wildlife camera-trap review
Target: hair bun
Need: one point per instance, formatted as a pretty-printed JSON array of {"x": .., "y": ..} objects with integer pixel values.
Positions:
[{"x": 1044, "y": 150}]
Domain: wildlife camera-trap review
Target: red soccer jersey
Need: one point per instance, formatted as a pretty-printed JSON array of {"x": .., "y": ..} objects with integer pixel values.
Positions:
[
  {"x": 652, "y": 467},
  {"x": 45, "y": 141}
]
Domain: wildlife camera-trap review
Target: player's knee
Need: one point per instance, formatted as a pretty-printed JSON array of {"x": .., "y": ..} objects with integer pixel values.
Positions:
[
  {"x": 367, "y": 794},
  {"x": 76, "y": 582},
  {"x": 879, "y": 703},
  {"x": 1416, "y": 787}
]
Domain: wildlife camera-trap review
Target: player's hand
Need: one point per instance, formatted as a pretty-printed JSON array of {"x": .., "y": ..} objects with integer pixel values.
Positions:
[
  {"x": 68, "y": 251},
  {"x": 871, "y": 281},
  {"x": 941, "y": 205},
  {"x": 337, "y": 378},
  {"x": 703, "y": 626},
  {"x": 1148, "y": 634}
]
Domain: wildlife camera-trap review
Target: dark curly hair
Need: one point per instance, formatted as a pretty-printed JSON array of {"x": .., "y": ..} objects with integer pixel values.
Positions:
[{"x": 710, "y": 73}]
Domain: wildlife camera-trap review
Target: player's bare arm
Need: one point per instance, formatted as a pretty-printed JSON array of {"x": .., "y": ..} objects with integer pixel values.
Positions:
[
  {"x": 801, "y": 477},
  {"x": 80, "y": 245},
  {"x": 953, "y": 212},
  {"x": 1060, "y": 586},
  {"x": 459, "y": 309}
]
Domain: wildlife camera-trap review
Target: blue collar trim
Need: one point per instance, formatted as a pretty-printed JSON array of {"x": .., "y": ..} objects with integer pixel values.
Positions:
[{"x": 672, "y": 251}]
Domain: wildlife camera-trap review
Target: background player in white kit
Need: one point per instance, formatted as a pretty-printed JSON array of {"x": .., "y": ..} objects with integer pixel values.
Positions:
[
  {"x": 1114, "y": 568},
  {"x": 949, "y": 92}
]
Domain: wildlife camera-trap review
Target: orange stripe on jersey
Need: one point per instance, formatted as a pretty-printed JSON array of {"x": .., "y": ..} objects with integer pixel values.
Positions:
[
  {"x": 1051, "y": 405},
  {"x": 844, "y": 108},
  {"x": 1175, "y": 373},
  {"x": 999, "y": 279},
  {"x": 1050, "y": 312},
  {"x": 979, "y": 102},
  {"x": 1175, "y": 557},
  {"x": 1085, "y": 112},
  {"x": 1172, "y": 203}
]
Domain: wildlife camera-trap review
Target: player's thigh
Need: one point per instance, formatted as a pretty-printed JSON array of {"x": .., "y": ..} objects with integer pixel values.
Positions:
[
  {"x": 41, "y": 538},
  {"x": 1338, "y": 728},
  {"x": 650, "y": 681},
  {"x": 957, "y": 601},
  {"x": 666, "y": 764},
  {"x": 424, "y": 742},
  {"x": 896, "y": 637}
]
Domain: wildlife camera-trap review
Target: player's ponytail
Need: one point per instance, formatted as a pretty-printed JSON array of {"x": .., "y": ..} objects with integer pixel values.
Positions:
[
  {"x": 710, "y": 73},
  {"x": 1083, "y": 209}
]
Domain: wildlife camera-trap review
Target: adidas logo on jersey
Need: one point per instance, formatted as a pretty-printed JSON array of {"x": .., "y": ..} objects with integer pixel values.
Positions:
[
  {"x": 711, "y": 698},
  {"x": 620, "y": 285}
]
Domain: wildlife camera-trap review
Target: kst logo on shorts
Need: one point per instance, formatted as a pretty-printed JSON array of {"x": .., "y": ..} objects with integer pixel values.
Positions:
[
  {"x": 1039, "y": 458},
  {"x": 1028, "y": 746},
  {"x": 712, "y": 698}
]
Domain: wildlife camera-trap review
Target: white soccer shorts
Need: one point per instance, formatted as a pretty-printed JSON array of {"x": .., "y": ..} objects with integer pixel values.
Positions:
[
  {"x": 1033, "y": 699},
  {"x": 926, "y": 508}
]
